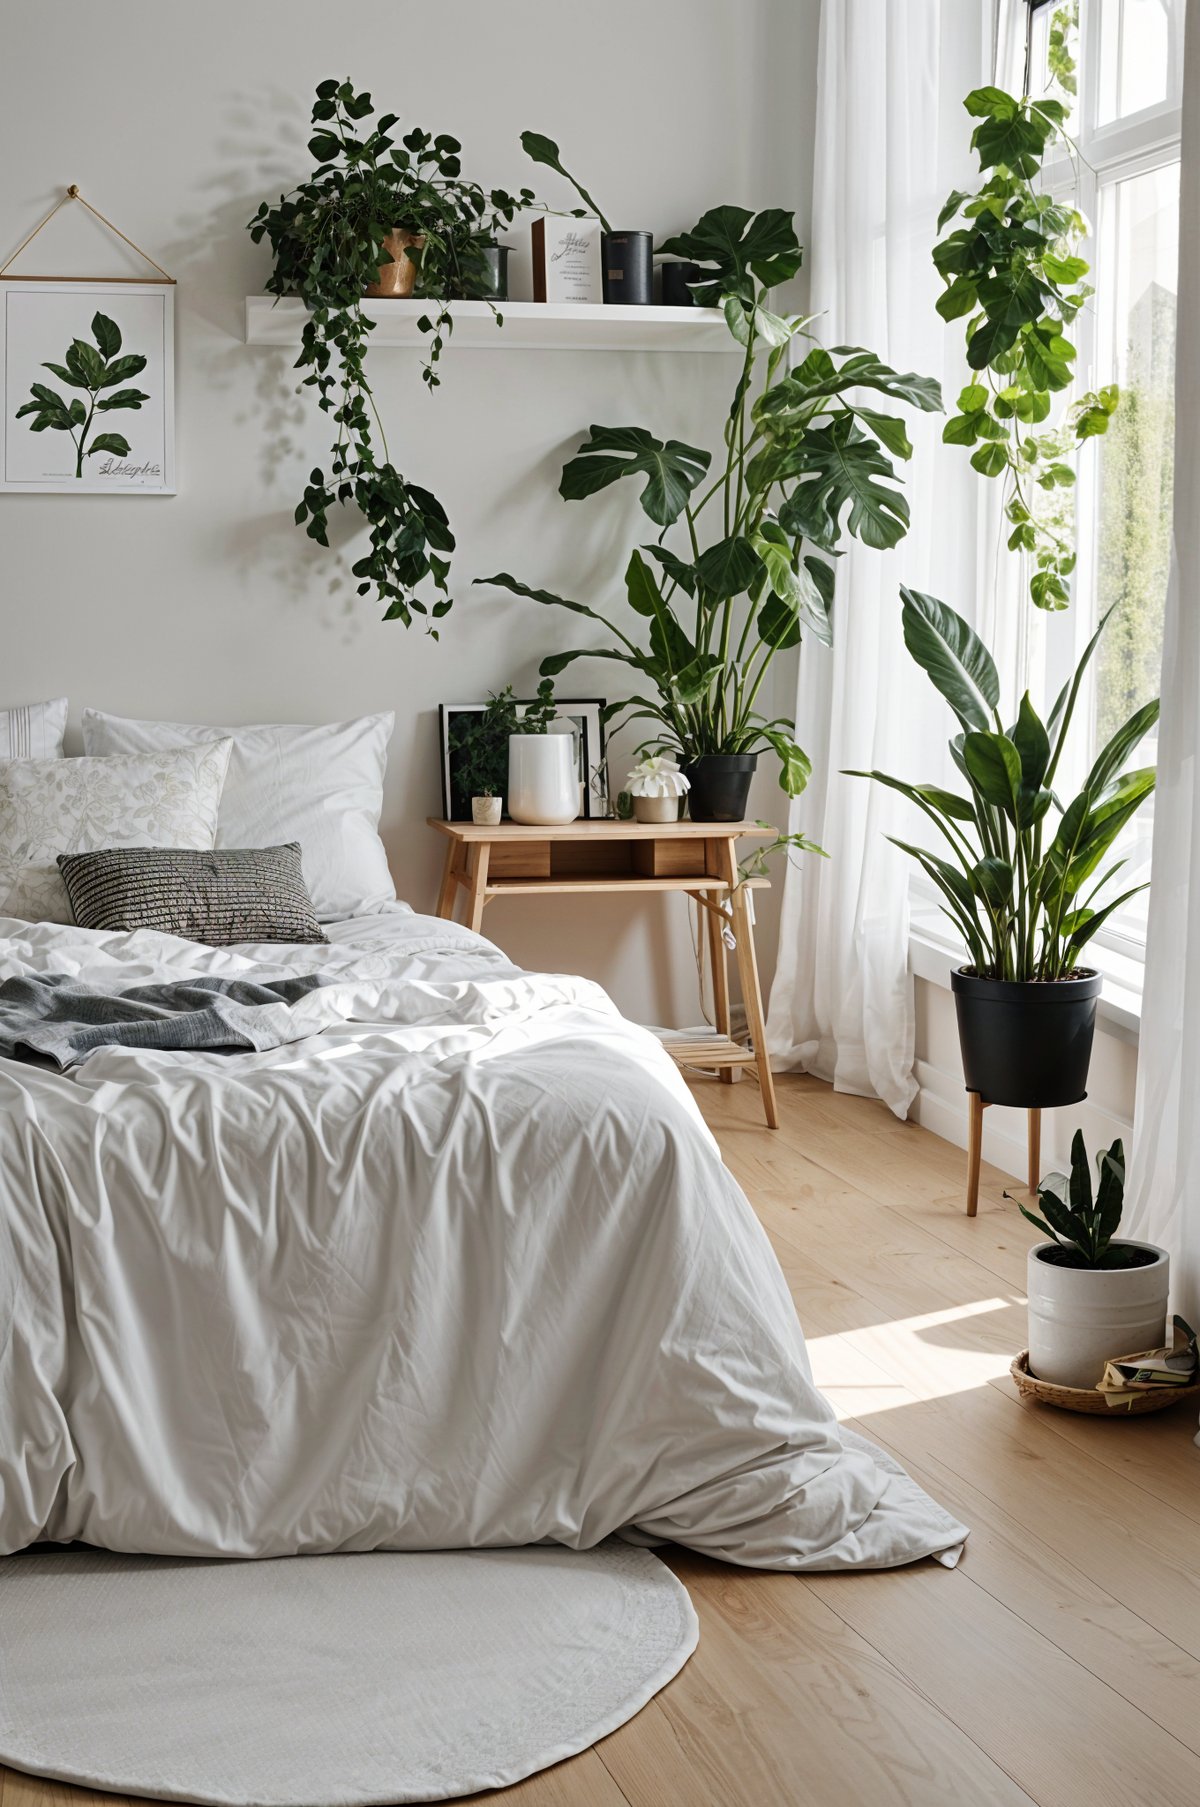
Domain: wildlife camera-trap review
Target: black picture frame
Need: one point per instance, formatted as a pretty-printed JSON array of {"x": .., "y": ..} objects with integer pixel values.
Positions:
[{"x": 587, "y": 713}]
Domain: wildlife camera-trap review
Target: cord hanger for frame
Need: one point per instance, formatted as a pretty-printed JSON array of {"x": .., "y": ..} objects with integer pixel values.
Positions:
[{"x": 73, "y": 194}]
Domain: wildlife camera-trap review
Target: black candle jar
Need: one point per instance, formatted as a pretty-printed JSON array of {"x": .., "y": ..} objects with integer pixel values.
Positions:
[{"x": 628, "y": 262}]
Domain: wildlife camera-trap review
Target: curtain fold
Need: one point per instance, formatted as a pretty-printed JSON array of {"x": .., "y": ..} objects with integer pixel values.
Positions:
[
  {"x": 1164, "y": 1190},
  {"x": 892, "y": 141}
]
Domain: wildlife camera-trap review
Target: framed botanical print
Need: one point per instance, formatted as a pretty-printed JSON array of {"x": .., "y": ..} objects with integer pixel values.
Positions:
[{"x": 87, "y": 387}]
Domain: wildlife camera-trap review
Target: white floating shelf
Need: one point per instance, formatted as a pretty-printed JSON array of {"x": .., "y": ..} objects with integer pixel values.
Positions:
[{"x": 528, "y": 326}]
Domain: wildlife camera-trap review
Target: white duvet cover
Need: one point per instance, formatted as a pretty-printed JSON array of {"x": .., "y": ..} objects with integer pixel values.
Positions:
[{"x": 464, "y": 1268}]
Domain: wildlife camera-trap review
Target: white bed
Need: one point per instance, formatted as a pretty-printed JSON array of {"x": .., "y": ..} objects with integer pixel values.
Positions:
[{"x": 464, "y": 1268}]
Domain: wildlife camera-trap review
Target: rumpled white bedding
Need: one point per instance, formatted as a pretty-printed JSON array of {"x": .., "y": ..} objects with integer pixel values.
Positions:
[{"x": 464, "y": 1268}]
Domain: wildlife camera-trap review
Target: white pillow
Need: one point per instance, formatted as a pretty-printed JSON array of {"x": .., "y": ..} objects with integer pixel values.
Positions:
[
  {"x": 321, "y": 786},
  {"x": 53, "y": 806},
  {"x": 33, "y": 731}
]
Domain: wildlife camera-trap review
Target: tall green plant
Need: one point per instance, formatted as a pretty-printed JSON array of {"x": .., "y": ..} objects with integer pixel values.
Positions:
[
  {"x": 1013, "y": 271},
  {"x": 1019, "y": 870},
  {"x": 327, "y": 237},
  {"x": 806, "y": 458}
]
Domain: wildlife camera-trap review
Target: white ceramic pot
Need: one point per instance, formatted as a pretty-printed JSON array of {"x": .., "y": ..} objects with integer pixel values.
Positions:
[
  {"x": 485, "y": 811},
  {"x": 1080, "y": 1317},
  {"x": 656, "y": 809},
  {"x": 543, "y": 779}
]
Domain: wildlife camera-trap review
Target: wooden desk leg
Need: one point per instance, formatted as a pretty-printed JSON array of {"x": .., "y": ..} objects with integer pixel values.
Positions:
[
  {"x": 743, "y": 930},
  {"x": 1035, "y": 1148},
  {"x": 476, "y": 884},
  {"x": 446, "y": 896},
  {"x": 974, "y": 1150},
  {"x": 720, "y": 985}
]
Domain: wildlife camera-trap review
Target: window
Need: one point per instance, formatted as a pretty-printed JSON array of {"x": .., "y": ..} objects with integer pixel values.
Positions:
[{"x": 1126, "y": 182}]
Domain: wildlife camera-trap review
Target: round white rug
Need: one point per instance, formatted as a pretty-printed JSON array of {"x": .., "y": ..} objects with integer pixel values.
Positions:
[{"x": 322, "y": 1680}]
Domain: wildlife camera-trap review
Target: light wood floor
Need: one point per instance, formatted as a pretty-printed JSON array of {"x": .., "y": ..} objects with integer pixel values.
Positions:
[{"x": 1058, "y": 1664}]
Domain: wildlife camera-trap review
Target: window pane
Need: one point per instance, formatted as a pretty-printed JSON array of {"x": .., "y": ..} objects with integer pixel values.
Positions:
[
  {"x": 1137, "y": 282},
  {"x": 1136, "y": 48}
]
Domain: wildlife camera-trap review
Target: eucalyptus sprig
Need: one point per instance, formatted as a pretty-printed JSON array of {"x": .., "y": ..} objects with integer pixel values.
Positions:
[
  {"x": 1013, "y": 271},
  {"x": 327, "y": 237}
]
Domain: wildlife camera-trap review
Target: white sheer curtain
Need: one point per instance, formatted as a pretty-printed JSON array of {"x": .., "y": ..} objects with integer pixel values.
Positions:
[
  {"x": 892, "y": 141},
  {"x": 1165, "y": 1178}
]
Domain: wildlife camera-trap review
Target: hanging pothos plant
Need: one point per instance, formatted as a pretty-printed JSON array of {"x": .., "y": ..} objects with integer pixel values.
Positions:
[
  {"x": 1013, "y": 272},
  {"x": 327, "y": 237}
]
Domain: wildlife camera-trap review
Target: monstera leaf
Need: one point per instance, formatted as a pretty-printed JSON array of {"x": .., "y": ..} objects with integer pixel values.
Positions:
[
  {"x": 841, "y": 467},
  {"x": 672, "y": 469},
  {"x": 739, "y": 246}
]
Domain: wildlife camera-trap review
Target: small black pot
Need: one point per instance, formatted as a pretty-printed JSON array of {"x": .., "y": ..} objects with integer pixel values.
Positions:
[
  {"x": 628, "y": 261},
  {"x": 495, "y": 286},
  {"x": 675, "y": 279},
  {"x": 1026, "y": 1044},
  {"x": 720, "y": 786}
]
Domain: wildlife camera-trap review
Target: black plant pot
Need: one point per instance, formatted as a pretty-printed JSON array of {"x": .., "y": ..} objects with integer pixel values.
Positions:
[
  {"x": 720, "y": 786},
  {"x": 1026, "y": 1044},
  {"x": 675, "y": 280},
  {"x": 628, "y": 262}
]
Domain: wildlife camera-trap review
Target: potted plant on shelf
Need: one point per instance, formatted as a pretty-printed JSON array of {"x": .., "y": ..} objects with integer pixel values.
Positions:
[
  {"x": 657, "y": 787},
  {"x": 806, "y": 457},
  {"x": 479, "y": 747},
  {"x": 1019, "y": 871},
  {"x": 378, "y": 218},
  {"x": 1091, "y": 1298}
]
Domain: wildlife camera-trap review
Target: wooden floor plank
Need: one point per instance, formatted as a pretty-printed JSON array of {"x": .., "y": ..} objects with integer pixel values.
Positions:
[{"x": 1001, "y": 1681}]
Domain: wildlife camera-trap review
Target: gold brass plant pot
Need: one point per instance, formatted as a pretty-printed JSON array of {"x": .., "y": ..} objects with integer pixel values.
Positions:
[{"x": 397, "y": 279}]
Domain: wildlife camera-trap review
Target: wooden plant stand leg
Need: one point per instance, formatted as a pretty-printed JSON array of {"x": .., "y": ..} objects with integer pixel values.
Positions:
[
  {"x": 449, "y": 890},
  {"x": 720, "y": 985},
  {"x": 1035, "y": 1148},
  {"x": 743, "y": 930},
  {"x": 977, "y": 1107},
  {"x": 477, "y": 872}
]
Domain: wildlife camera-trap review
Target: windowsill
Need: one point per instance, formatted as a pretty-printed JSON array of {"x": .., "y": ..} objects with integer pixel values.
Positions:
[{"x": 933, "y": 957}]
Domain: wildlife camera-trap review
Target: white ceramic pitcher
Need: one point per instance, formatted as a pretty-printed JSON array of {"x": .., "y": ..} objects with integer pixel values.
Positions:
[{"x": 543, "y": 779}]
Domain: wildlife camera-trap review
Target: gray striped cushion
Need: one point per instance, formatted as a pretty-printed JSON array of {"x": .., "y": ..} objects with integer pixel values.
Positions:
[
  {"x": 33, "y": 730},
  {"x": 231, "y": 894}
]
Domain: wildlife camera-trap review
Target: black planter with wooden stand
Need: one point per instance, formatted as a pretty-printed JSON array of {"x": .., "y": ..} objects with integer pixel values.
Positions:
[{"x": 1025, "y": 1044}]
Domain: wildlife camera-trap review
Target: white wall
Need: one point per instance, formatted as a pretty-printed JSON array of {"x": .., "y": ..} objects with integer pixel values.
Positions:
[{"x": 176, "y": 121}]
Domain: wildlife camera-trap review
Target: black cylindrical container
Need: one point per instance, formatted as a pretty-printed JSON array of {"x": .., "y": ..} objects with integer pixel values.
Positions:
[
  {"x": 628, "y": 259},
  {"x": 495, "y": 283},
  {"x": 675, "y": 279},
  {"x": 1023, "y": 1043},
  {"x": 720, "y": 786}
]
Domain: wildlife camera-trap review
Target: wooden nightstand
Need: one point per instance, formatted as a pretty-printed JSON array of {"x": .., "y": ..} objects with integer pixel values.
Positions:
[{"x": 630, "y": 857}]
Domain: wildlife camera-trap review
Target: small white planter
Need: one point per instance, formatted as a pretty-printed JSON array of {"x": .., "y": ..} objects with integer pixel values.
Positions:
[
  {"x": 485, "y": 811},
  {"x": 543, "y": 779},
  {"x": 1080, "y": 1317}
]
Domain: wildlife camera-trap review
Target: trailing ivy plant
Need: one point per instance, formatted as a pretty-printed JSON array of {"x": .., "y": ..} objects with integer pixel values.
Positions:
[
  {"x": 97, "y": 370},
  {"x": 1013, "y": 271},
  {"x": 806, "y": 457},
  {"x": 327, "y": 237}
]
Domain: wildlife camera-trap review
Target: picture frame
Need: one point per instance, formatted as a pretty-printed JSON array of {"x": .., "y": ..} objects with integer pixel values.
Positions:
[
  {"x": 586, "y": 715},
  {"x": 101, "y": 419}
]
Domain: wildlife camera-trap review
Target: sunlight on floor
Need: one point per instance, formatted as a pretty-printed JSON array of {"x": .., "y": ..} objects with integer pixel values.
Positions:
[{"x": 935, "y": 1358}]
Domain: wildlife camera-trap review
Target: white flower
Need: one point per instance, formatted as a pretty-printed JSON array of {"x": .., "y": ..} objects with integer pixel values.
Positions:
[{"x": 658, "y": 776}]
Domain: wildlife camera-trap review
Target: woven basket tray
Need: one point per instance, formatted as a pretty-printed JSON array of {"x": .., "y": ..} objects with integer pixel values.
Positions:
[{"x": 1090, "y": 1399}]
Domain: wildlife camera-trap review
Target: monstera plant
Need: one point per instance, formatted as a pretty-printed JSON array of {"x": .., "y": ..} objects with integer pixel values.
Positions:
[
  {"x": 328, "y": 237},
  {"x": 806, "y": 456}
]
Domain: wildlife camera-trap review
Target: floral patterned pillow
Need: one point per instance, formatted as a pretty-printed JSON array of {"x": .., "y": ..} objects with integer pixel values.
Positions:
[{"x": 53, "y": 806}]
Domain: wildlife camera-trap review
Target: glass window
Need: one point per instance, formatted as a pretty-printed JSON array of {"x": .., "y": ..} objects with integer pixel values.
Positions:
[{"x": 1135, "y": 52}]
